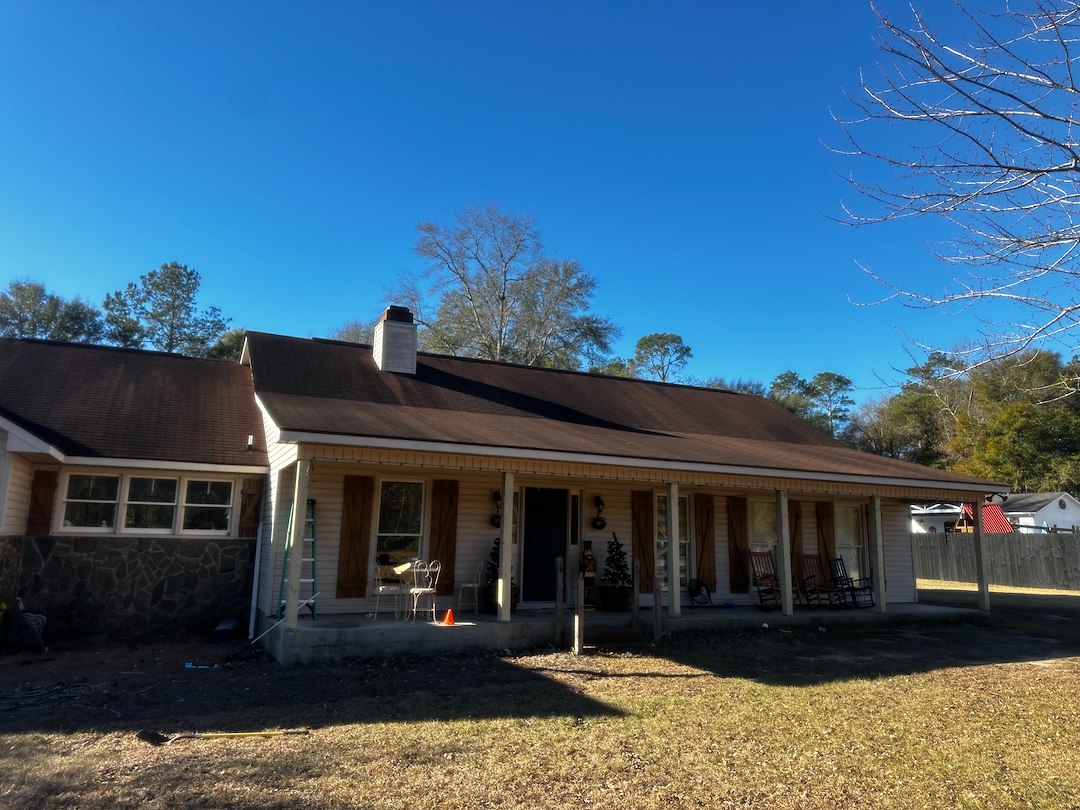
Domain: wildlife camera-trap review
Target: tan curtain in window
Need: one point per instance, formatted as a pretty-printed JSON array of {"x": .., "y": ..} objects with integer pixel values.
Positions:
[
  {"x": 42, "y": 495},
  {"x": 352, "y": 579},
  {"x": 795, "y": 522},
  {"x": 444, "y": 509},
  {"x": 704, "y": 528},
  {"x": 643, "y": 525},
  {"x": 738, "y": 544},
  {"x": 826, "y": 529}
]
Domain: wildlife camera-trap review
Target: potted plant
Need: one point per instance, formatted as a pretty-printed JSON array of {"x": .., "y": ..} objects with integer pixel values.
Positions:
[
  {"x": 488, "y": 594},
  {"x": 616, "y": 588}
]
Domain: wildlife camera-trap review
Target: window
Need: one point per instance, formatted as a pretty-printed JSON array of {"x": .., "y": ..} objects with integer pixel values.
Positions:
[
  {"x": 146, "y": 503},
  {"x": 762, "y": 521},
  {"x": 151, "y": 503},
  {"x": 849, "y": 537},
  {"x": 90, "y": 501},
  {"x": 662, "y": 539},
  {"x": 207, "y": 505},
  {"x": 400, "y": 521}
]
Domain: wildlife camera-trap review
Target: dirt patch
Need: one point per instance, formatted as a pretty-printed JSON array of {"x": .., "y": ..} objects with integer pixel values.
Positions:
[{"x": 184, "y": 684}]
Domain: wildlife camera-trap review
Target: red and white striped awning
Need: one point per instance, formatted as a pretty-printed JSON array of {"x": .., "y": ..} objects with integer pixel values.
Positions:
[{"x": 994, "y": 520}]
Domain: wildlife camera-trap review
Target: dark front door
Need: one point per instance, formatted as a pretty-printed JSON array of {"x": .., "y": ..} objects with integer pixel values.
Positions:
[{"x": 544, "y": 538}]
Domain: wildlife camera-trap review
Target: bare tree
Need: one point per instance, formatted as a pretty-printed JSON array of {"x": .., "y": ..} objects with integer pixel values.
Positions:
[
  {"x": 489, "y": 291},
  {"x": 994, "y": 149}
]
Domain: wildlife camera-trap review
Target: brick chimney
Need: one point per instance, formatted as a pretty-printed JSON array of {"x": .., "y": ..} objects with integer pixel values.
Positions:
[{"x": 395, "y": 341}]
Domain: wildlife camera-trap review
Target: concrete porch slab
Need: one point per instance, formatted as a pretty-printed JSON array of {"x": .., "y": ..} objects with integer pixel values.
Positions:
[{"x": 333, "y": 638}]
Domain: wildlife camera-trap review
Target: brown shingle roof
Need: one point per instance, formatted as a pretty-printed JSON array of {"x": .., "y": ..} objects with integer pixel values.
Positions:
[
  {"x": 103, "y": 402},
  {"x": 327, "y": 387}
]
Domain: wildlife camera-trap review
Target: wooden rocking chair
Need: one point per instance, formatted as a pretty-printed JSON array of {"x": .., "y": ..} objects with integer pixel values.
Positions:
[
  {"x": 860, "y": 591},
  {"x": 818, "y": 584},
  {"x": 765, "y": 581}
]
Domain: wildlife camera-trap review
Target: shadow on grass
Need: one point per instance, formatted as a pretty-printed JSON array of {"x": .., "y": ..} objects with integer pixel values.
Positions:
[
  {"x": 1021, "y": 627},
  {"x": 257, "y": 693}
]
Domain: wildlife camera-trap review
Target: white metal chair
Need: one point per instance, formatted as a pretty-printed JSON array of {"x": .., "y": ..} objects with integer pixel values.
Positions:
[
  {"x": 474, "y": 586},
  {"x": 391, "y": 581},
  {"x": 425, "y": 581}
]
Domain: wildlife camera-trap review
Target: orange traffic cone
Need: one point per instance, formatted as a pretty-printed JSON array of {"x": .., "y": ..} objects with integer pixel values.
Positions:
[{"x": 449, "y": 620}]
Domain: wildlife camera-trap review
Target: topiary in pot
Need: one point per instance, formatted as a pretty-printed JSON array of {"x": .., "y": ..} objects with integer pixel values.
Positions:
[{"x": 616, "y": 588}]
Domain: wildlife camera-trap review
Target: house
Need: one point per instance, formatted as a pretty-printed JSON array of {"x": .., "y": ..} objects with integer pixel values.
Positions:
[
  {"x": 405, "y": 454},
  {"x": 1043, "y": 511},
  {"x": 130, "y": 487},
  {"x": 934, "y": 518}
]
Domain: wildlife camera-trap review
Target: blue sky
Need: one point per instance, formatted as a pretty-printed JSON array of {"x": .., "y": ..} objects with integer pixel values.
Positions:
[{"x": 287, "y": 151}]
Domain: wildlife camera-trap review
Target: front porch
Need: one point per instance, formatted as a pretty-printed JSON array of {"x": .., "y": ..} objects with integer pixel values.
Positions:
[{"x": 345, "y": 636}]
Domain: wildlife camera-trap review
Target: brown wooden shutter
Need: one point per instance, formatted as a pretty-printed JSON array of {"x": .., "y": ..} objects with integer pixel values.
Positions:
[
  {"x": 826, "y": 529},
  {"x": 42, "y": 497},
  {"x": 251, "y": 495},
  {"x": 704, "y": 527},
  {"x": 795, "y": 526},
  {"x": 738, "y": 544},
  {"x": 444, "y": 507},
  {"x": 643, "y": 526},
  {"x": 352, "y": 580}
]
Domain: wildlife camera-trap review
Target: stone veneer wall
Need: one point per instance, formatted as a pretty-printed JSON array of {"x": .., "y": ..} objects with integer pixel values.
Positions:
[{"x": 125, "y": 587}]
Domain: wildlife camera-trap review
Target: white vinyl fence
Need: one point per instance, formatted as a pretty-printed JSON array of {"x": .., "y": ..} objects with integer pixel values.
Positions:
[{"x": 1021, "y": 560}]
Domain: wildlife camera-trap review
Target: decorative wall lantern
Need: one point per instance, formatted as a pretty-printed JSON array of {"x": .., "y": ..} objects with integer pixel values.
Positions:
[
  {"x": 496, "y": 519},
  {"x": 598, "y": 522}
]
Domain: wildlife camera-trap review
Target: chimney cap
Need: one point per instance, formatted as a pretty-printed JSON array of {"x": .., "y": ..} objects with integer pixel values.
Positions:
[{"x": 396, "y": 313}]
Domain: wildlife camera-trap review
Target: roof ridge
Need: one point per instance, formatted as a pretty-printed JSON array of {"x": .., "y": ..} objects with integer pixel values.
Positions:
[{"x": 506, "y": 364}]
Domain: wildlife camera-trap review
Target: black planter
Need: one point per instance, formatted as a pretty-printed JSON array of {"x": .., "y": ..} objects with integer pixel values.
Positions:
[
  {"x": 487, "y": 599},
  {"x": 613, "y": 597}
]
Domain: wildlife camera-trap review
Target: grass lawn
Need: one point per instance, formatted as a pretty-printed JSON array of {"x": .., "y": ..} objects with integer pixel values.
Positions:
[{"x": 979, "y": 715}]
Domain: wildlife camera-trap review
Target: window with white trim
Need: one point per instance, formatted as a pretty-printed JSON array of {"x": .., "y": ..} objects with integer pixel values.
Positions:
[
  {"x": 144, "y": 502},
  {"x": 400, "y": 521},
  {"x": 849, "y": 537},
  {"x": 762, "y": 520},
  {"x": 662, "y": 539},
  {"x": 151, "y": 503},
  {"x": 90, "y": 502},
  {"x": 207, "y": 505}
]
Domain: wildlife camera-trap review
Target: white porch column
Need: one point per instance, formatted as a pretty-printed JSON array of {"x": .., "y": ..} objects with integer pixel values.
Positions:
[
  {"x": 506, "y": 542},
  {"x": 294, "y": 543},
  {"x": 982, "y": 567},
  {"x": 783, "y": 552},
  {"x": 674, "y": 591},
  {"x": 877, "y": 553}
]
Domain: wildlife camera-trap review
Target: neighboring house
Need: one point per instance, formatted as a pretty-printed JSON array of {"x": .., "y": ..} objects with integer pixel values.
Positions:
[
  {"x": 939, "y": 518},
  {"x": 129, "y": 491},
  {"x": 1043, "y": 511},
  {"x": 934, "y": 518},
  {"x": 408, "y": 454}
]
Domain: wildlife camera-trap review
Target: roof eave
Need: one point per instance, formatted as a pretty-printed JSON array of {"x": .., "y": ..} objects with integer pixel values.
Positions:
[
  {"x": 490, "y": 451},
  {"x": 20, "y": 440},
  {"x": 157, "y": 464}
]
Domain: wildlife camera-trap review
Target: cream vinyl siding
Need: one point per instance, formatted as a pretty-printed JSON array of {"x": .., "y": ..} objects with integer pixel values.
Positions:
[
  {"x": 899, "y": 570},
  {"x": 18, "y": 496},
  {"x": 475, "y": 534},
  {"x": 282, "y": 457}
]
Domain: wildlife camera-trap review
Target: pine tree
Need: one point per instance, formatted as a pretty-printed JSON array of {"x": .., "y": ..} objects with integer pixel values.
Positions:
[{"x": 616, "y": 569}]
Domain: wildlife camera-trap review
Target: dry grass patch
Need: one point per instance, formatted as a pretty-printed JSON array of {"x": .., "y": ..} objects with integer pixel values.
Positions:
[{"x": 803, "y": 720}]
